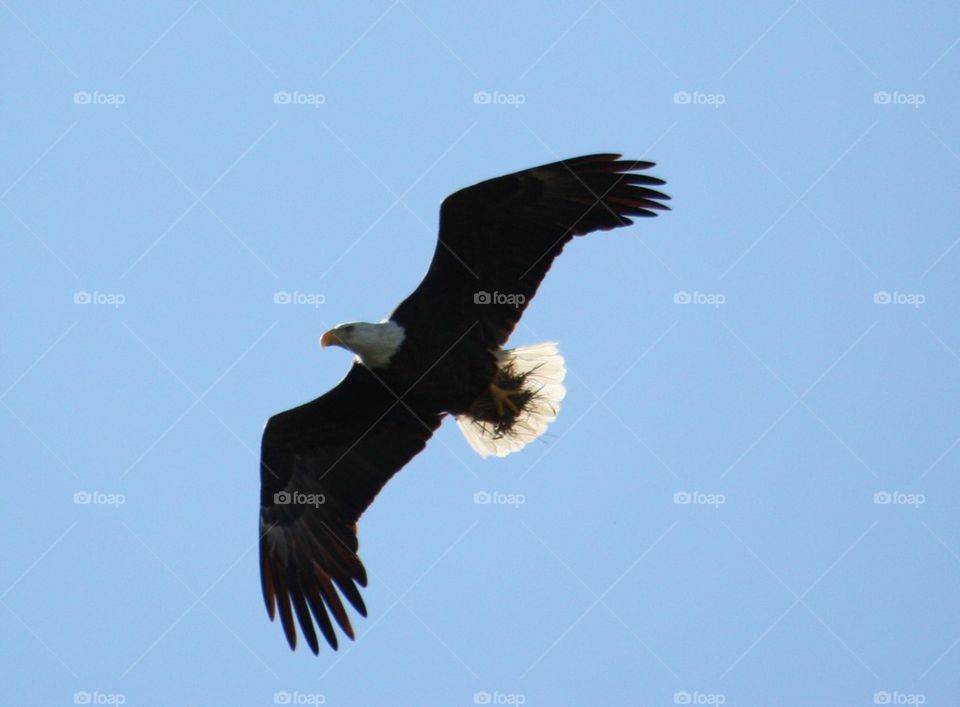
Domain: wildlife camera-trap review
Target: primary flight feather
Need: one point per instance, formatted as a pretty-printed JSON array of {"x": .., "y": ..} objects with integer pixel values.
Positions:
[{"x": 439, "y": 353}]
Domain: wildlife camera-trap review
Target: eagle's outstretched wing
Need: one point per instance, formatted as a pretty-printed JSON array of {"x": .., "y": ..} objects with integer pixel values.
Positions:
[
  {"x": 498, "y": 238},
  {"x": 321, "y": 465}
]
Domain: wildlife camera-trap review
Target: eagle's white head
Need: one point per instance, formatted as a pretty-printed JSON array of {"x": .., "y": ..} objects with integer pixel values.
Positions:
[{"x": 374, "y": 344}]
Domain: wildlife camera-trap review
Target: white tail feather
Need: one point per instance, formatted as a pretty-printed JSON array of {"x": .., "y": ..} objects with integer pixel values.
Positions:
[{"x": 544, "y": 370}]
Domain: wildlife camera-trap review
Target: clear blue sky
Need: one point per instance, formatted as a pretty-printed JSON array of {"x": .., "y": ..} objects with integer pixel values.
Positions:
[{"x": 156, "y": 193}]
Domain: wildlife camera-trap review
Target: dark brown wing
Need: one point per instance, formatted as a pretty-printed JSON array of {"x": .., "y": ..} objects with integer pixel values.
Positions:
[
  {"x": 321, "y": 465},
  {"x": 498, "y": 238}
]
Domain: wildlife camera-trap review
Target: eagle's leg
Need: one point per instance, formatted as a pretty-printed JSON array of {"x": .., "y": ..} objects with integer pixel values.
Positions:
[{"x": 501, "y": 396}]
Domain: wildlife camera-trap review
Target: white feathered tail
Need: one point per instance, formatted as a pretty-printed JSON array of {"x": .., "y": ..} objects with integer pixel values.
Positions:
[{"x": 538, "y": 372}]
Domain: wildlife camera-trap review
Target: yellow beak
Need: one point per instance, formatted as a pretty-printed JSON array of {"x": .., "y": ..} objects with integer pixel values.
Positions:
[{"x": 330, "y": 338}]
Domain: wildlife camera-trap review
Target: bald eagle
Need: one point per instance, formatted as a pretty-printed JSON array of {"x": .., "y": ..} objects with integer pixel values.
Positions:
[{"x": 439, "y": 353}]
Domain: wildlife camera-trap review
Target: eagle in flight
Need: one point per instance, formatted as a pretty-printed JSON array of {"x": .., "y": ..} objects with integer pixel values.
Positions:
[{"x": 439, "y": 353}]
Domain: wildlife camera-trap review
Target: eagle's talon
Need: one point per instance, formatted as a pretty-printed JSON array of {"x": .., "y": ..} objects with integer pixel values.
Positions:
[{"x": 501, "y": 397}]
